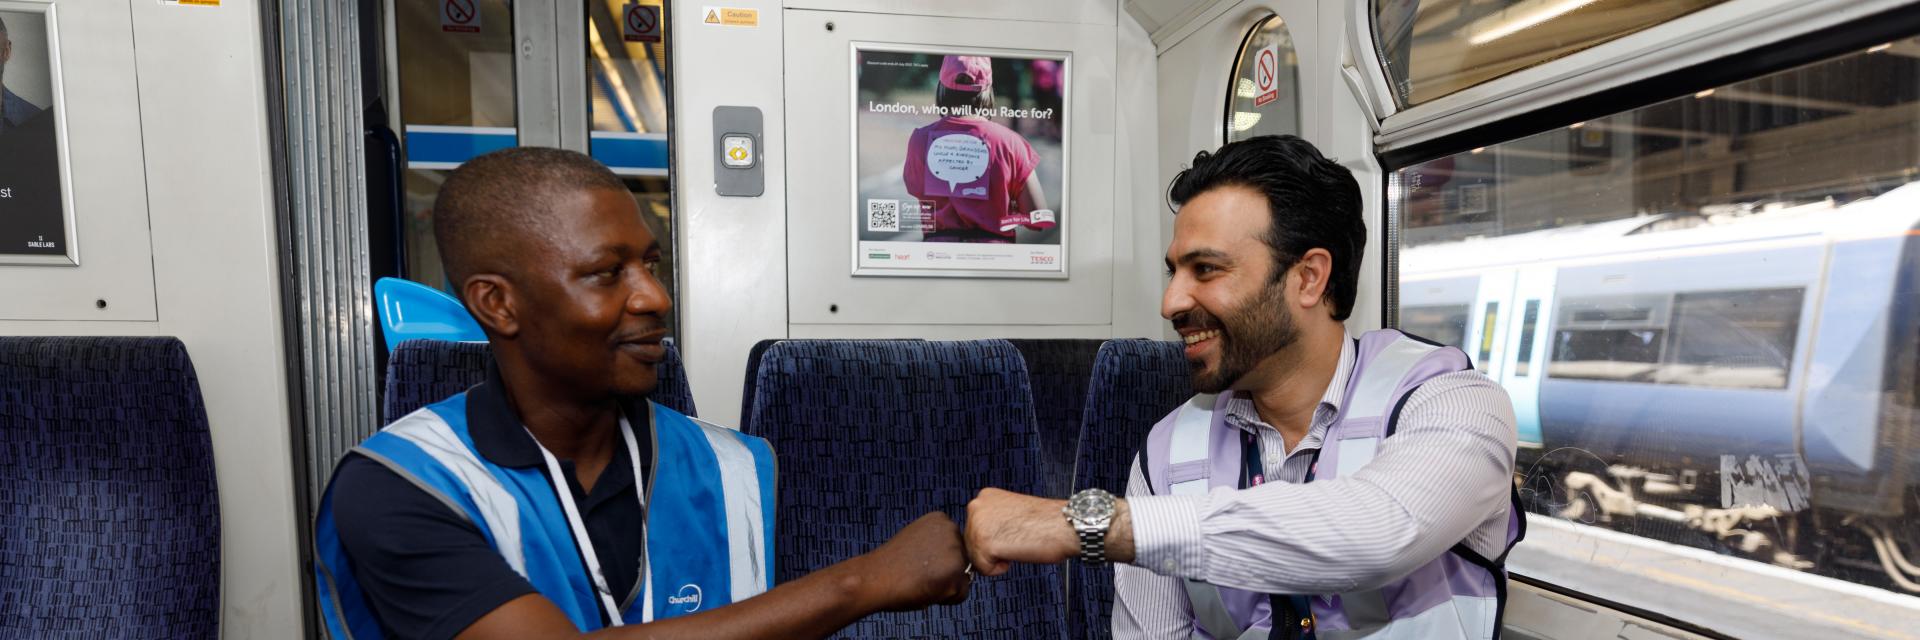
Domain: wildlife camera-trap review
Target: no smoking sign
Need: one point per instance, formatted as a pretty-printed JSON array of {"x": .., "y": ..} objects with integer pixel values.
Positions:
[
  {"x": 460, "y": 16},
  {"x": 640, "y": 22},
  {"x": 1266, "y": 72}
]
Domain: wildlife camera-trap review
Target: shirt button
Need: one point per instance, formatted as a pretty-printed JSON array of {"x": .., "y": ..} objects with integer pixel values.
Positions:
[
  {"x": 1273, "y": 459},
  {"x": 1168, "y": 567}
]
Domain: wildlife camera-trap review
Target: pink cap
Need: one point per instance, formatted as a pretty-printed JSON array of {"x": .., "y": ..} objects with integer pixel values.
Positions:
[{"x": 980, "y": 67}]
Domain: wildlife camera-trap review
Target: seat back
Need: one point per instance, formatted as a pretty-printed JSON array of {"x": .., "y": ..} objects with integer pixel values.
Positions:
[
  {"x": 422, "y": 372},
  {"x": 1058, "y": 371},
  {"x": 109, "y": 515},
  {"x": 754, "y": 356},
  {"x": 872, "y": 434},
  {"x": 1135, "y": 383}
]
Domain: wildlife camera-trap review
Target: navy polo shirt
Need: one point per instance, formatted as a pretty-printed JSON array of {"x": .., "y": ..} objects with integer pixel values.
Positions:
[{"x": 429, "y": 572}]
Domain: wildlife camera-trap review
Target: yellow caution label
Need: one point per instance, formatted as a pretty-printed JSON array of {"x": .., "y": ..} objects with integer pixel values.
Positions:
[
  {"x": 737, "y": 153},
  {"x": 732, "y": 17},
  {"x": 202, "y": 3}
]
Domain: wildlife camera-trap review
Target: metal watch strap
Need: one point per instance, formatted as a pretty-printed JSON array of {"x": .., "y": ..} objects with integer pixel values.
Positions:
[{"x": 1093, "y": 545}]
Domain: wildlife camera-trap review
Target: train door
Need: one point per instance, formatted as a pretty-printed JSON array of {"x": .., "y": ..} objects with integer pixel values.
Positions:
[
  {"x": 465, "y": 77},
  {"x": 1487, "y": 322},
  {"x": 1525, "y": 357}
]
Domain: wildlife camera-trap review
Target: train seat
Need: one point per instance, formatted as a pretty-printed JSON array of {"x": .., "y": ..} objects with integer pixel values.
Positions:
[
  {"x": 873, "y": 433},
  {"x": 1058, "y": 371},
  {"x": 754, "y": 355},
  {"x": 109, "y": 517},
  {"x": 1134, "y": 384},
  {"x": 422, "y": 372}
]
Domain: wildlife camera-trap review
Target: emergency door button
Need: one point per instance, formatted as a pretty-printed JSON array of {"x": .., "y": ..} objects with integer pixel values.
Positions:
[{"x": 737, "y": 151}]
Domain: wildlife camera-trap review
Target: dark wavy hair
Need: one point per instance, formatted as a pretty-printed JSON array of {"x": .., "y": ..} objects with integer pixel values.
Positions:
[{"x": 1314, "y": 203}]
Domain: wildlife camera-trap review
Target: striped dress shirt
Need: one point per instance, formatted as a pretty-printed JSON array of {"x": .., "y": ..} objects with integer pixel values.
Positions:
[{"x": 1443, "y": 478}]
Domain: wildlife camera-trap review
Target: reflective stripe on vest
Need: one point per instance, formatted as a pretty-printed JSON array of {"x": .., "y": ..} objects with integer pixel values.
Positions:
[
  {"x": 715, "y": 548},
  {"x": 1387, "y": 367}
]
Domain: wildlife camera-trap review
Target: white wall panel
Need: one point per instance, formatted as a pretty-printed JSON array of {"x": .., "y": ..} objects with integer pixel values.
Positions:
[
  {"x": 106, "y": 184},
  {"x": 732, "y": 250},
  {"x": 207, "y": 197}
]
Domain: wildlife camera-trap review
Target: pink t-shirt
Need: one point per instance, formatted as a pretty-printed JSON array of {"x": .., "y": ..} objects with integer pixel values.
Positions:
[{"x": 973, "y": 181}]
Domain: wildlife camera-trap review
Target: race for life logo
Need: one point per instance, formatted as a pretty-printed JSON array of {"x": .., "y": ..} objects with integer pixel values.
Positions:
[{"x": 688, "y": 596}]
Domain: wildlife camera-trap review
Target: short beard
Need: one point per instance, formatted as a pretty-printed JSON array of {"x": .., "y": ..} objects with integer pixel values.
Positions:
[{"x": 1249, "y": 333}]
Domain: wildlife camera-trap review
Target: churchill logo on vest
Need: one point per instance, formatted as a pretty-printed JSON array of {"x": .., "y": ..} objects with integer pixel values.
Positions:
[{"x": 688, "y": 596}]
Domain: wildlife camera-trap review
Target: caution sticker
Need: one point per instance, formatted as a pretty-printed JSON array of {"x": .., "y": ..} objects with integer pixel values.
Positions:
[
  {"x": 192, "y": 3},
  {"x": 730, "y": 17}
]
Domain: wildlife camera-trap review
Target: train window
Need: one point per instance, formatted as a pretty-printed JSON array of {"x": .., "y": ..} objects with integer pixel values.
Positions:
[
  {"x": 1728, "y": 284},
  {"x": 1733, "y": 338},
  {"x": 1522, "y": 364},
  {"x": 456, "y": 102},
  {"x": 1432, "y": 49},
  {"x": 1445, "y": 324},
  {"x": 627, "y": 108},
  {"x": 1263, "y": 97}
]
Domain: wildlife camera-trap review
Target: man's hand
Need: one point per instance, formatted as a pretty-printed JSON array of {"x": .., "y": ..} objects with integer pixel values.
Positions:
[
  {"x": 1005, "y": 527},
  {"x": 922, "y": 565}
]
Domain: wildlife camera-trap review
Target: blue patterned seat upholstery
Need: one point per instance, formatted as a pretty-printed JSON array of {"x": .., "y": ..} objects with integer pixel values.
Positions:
[
  {"x": 1135, "y": 383},
  {"x": 754, "y": 355},
  {"x": 422, "y": 372},
  {"x": 109, "y": 516},
  {"x": 872, "y": 434},
  {"x": 1058, "y": 371}
]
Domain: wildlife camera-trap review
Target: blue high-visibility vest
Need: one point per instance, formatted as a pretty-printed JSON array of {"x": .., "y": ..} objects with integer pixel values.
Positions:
[{"x": 713, "y": 488}]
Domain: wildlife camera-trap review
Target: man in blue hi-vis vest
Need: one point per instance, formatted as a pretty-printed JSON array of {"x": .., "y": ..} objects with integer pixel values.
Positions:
[{"x": 553, "y": 499}]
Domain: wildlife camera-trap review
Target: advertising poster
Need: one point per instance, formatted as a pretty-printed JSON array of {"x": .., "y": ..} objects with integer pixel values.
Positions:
[
  {"x": 960, "y": 163},
  {"x": 34, "y": 225}
]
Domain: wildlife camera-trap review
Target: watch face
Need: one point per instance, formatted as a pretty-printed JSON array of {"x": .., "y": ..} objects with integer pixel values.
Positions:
[{"x": 1090, "y": 506}]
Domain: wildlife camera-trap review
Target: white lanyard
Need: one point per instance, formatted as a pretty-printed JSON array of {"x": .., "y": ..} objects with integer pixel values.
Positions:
[{"x": 579, "y": 526}]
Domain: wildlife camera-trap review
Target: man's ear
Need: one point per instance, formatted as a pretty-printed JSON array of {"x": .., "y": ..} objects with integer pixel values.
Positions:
[
  {"x": 492, "y": 301},
  {"x": 1310, "y": 279}
]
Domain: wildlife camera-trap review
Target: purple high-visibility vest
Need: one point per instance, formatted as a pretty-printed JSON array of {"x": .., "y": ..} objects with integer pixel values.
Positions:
[{"x": 1460, "y": 594}]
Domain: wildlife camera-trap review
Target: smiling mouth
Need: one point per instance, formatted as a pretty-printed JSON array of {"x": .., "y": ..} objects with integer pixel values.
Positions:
[{"x": 1202, "y": 336}]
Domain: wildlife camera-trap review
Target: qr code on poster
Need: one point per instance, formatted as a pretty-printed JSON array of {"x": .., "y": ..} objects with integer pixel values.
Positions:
[{"x": 883, "y": 215}]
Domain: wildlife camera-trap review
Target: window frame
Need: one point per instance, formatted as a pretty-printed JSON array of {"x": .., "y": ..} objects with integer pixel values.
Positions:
[{"x": 1611, "y": 78}]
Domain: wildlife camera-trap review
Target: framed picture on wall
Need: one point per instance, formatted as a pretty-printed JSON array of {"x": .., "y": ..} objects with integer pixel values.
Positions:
[
  {"x": 959, "y": 162},
  {"x": 36, "y": 204}
]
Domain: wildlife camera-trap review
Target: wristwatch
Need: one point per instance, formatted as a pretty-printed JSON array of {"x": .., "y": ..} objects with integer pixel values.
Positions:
[{"x": 1091, "y": 512}]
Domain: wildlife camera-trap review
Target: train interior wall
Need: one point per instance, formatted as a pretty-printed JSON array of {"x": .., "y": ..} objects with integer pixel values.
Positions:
[{"x": 184, "y": 90}]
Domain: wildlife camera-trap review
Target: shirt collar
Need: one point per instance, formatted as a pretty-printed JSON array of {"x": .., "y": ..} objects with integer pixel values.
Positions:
[
  {"x": 502, "y": 439},
  {"x": 1242, "y": 414}
]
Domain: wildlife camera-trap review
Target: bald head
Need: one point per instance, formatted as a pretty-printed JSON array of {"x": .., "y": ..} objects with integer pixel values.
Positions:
[{"x": 493, "y": 205}]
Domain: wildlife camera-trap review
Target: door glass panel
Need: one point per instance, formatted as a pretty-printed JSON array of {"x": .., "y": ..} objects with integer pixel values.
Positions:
[
  {"x": 1432, "y": 48},
  {"x": 455, "y": 63},
  {"x": 1264, "y": 97},
  {"x": 627, "y": 105},
  {"x": 1523, "y": 361},
  {"x": 1731, "y": 336}
]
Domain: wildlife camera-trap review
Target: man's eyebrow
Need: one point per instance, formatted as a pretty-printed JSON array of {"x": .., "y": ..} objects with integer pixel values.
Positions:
[{"x": 1198, "y": 254}]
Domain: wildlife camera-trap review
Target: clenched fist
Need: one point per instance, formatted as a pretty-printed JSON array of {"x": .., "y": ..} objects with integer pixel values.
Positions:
[{"x": 922, "y": 565}]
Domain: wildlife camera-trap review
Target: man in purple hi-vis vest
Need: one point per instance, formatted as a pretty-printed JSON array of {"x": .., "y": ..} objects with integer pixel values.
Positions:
[{"x": 1321, "y": 486}]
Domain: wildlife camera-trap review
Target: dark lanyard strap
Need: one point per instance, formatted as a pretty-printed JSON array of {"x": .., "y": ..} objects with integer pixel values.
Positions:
[{"x": 1292, "y": 615}]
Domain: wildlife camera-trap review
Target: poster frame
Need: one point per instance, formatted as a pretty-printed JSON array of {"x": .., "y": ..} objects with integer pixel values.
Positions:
[
  {"x": 57, "y": 89},
  {"x": 1067, "y": 213}
]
